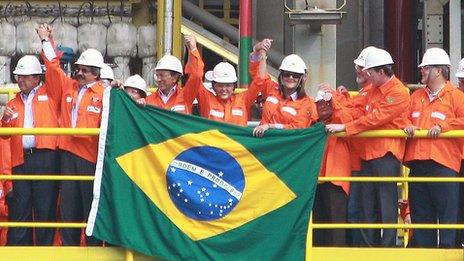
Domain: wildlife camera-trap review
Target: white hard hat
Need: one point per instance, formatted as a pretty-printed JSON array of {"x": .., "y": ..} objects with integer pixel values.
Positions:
[
  {"x": 377, "y": 57},
  {"x": 361, "y": 60},
  {"x": 28, "y": 65},
  {"x": 91, "y": 57},
  {"x": 460, "y": 71},
  {"x": 435, "y": 56},
  {"x": 293, "y": 63},
  {"x": 137, "y": 82},
  {"x": 223, "y": 72},
  {"x": 169, "y": 62},
  {"x": 106, "y": 72},
  {"x": 322, "y": 95}
]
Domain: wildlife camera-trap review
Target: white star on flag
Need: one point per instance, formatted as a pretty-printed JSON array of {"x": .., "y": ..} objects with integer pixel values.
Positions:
[{"x": 220, "y": 173}]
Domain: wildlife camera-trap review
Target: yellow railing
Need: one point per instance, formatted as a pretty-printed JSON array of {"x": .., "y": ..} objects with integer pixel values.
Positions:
[
  {"x": 310, "y": 248},
  {"x": 10, "y": 91}
]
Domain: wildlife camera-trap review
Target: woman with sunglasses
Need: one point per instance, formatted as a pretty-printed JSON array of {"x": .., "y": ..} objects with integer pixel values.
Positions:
[{"x": 287, "y": 106}]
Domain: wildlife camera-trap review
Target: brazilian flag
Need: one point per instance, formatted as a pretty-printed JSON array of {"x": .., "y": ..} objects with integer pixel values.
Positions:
[{"x": 181, "y": 187}]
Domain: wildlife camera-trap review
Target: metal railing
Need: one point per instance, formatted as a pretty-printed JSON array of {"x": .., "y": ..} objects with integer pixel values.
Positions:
[
  {"x": 376, "y": 133},
  {"x": 129, "y": 255}
]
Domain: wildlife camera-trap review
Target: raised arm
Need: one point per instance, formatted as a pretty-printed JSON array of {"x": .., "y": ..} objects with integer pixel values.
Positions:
[
  {"x": 194, "y": 69},
  {"x": 259, "y": 53},
  {"x": 55, "y": 78}
]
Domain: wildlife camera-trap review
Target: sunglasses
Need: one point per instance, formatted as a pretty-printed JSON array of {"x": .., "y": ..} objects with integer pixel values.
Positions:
[
  {"x": 288, "y": 74},
  {"x": 82, "y": 69}
]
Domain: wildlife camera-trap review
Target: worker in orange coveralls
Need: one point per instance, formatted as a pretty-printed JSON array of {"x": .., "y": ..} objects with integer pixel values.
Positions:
[
  {"x": 81, "y": 104},
  {"x": 354, "y": 107},
  {"x": 330, "y": 203},
  {"x": 386, "y": 108},
  {"x": 437, "y": 108},
  {"x": 32, "y": 200},
  {"x": 5, "y": 186},
  {"x": 287, "y": 105},
  {"x": 170, "y": 95}
]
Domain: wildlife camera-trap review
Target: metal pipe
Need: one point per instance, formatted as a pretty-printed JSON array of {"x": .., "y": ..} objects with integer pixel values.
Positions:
[
  {"x": 168, "y": 24},
  {"x": 400, "y": 38},
  {"x": 210, "y": 20},
  {"x": 96, "y": 131},
  {"x": 222, "y": 27},
  {"x": 177, "y": 36},
  {"x": 159, "y": 29},
  {"x": 454, "y": 37}
]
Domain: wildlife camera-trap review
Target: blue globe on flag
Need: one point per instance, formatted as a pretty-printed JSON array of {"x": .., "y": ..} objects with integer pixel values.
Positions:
[{"x": 205, "y": 183}]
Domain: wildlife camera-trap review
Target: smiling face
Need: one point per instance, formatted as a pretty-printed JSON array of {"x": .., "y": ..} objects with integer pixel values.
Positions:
[
  {"x": 134, "y": 93},
  {"x": 324, "y": 110},
  {"x": 166, "y": 80},
  {"x": 429, "y": 74},
  {"x": 223, "y": 90},
  {"x": 290, "y": 80},
  {"x": 84, "y": 75},
  {"x": 27, "y": 82}
]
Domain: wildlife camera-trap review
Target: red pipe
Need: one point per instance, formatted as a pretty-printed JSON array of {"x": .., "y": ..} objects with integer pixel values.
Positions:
[{"x": 400, "y": 36}]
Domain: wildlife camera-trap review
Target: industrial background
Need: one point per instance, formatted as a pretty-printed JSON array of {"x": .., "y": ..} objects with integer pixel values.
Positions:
[{"x": 328, "y": 34}]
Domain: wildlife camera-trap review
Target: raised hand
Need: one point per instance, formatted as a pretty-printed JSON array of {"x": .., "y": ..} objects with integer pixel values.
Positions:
[{"x": 190, "y": 42}]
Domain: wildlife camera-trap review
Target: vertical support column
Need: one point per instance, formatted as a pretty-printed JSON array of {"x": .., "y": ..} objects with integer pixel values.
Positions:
[
  {"x": 168, "y": 25},
  {"x": 433, "y": 24},
  {"x": 177, "y": 36},
  {"x": 159, "y": 28},
  {"x": 245, "y": 41},
  {"x": 317, "y": 48},
  {"x": 400, "y": 19},
  {"x": 454, "y": 36}
]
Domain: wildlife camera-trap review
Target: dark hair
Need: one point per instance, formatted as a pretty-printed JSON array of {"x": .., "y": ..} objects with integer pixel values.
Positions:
[
  {"x": 95, "y": 71},
  {"x": 213, "y": 83},
  {"x": 387, "y": 69},
  {"x": 141, "y": 93},
  {"x": 174, "y": 73},
  {"x": 299, "y": 89},
  {"x": 445, "y": 71}
]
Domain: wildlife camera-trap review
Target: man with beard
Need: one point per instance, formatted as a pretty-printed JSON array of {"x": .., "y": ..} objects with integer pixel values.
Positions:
[
  {"x": 80, "y": 101},
  {"x": 386, "y": 108},
  {"x": 437, "y": 108},
  {"x": 343, "y": 104}
]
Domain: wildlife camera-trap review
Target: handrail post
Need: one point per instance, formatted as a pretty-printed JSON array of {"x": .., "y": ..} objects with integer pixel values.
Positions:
[
  {"x": 129, "y": 255},
  {"x": 309, "y": 238}
]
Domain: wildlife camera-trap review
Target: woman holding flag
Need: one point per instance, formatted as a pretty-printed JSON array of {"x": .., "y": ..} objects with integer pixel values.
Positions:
[{"x": 287, "y": 106}]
